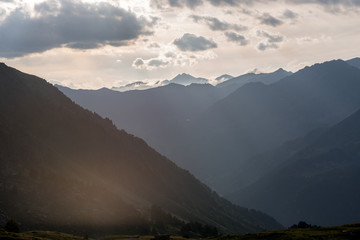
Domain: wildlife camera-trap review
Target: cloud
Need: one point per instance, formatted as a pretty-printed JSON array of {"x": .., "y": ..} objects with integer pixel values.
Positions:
[
  {"x": 150, "y": 64},
  {"x": 157, "y": 63},
  {"x": 176, "y": 3},
  {"x": 236, "y": 2},
  {"x": 271, "y": 38},
  {"x": 267, "y": 19},
  {"x": 289, "y": 14},
  {"x": 195, "y": 3},
  {"x": 328, "y": 2},
  {"x": 265, "y": 46},
  {"x": 271, "y": 41},
  {"x": 193, "y": 43},
  {"x": 331, "y": 6},
  {"x": 153, "y": 45},
  {"x": 217, "y": 25},
  {"x": 138, "y": 63},
  {"x": 71, "y": 24},
  {"x": 239, "y": 39}
]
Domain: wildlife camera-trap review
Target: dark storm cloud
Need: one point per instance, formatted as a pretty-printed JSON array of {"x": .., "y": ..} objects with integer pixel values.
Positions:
[
  {"x": 217, "y": 25},
  {"x": 239, "y": 39},
  {"x": 193, "y": 43},
  {"x": 71, "y": 24},
  {"x": 267, "y": 19}
]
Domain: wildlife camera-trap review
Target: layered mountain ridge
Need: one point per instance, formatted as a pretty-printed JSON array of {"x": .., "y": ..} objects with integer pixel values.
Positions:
[{"x": 63, "y": 166}]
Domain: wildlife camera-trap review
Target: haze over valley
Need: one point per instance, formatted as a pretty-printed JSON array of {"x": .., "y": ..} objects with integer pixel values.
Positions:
[{"x": 157, "y": 118}]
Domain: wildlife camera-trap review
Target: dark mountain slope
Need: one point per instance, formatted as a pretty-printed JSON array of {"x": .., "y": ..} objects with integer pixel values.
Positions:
[
  {"x": 354, "y": 62},
  {"x": 256, "y": 118},
  {"x": 63, "y": 166},
  {"x": 318, "y": 184},
  {"x": 158, "y": 115}
]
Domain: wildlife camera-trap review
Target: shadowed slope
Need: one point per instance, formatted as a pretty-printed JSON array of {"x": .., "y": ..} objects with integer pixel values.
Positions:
[
  {"x": 318, "y": 184},
  {"x": 63, "y": 166}
]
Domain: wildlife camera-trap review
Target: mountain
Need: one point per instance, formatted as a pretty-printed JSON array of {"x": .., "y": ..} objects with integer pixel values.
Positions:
[
  {"x": 255, "y": 167},
  {"x": 186, "y": 79},
  {"x": 224, "y": 77},
  {"x": 159, "y": 115},
  {"x": 63, "y": 167},
  {"x": 354, "y": 62},
  {"x": 182, "y": 79},
  {"x": 258, "y": 117},
  {"x": 267, "y": 78},
  {"x": 319, "y": 183},
  {"x": 139, "y": 85}
]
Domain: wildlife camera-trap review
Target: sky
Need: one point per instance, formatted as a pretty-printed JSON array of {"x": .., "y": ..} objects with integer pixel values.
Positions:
[{"x": 92, "y": 44}]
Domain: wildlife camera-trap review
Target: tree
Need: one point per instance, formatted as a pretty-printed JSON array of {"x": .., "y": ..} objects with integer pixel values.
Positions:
[{"x": 12, "y": 226}]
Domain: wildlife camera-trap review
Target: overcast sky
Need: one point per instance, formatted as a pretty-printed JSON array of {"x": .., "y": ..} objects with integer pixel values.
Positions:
[{"x": 93, "y": 44}]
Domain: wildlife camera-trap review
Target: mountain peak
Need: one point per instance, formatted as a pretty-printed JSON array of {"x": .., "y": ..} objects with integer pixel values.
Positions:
[
  {"x": 224, "y": 77},
  {"x": 355, "y": 62},
  {"x": 187, "y": 79}
]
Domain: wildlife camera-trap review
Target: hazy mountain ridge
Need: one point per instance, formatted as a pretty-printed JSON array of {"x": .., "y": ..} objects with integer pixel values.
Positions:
[
  {"x": 267, "y": 78},
  {"x": 318, "y": 183},
  {"x": 259, "y": 117},
  {"x": 251, "y": 132},
  {"x": 103, "y": 178},
  {"x": 182, "y": 79},
  {"x": 355, "y": 62},
  {"x": 196, "y": 130},
  {"x": 159, "y": 115}
]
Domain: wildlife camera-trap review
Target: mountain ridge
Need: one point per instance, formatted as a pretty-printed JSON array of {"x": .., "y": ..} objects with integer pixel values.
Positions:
[{"x": 102, "y": 176}]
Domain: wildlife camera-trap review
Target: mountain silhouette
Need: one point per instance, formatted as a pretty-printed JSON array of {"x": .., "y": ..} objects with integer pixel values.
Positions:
[
  {"x": 159, "y": 115},
  {"x": 63, "y": 167},
  {"x": 224, "y": 77},
  {"x": 186, "y": 79},
  {"x": 258, "y": 117},
  {"x": 267, "y": 78},
  {"x": 354, "y": 62},
  {"x": 318, "y": 183},
  {"x": 213, "y": 134}
]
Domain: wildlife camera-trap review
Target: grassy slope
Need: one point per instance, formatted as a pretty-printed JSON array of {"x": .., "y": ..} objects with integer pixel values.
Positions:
[{"x": 351, "y": 231}]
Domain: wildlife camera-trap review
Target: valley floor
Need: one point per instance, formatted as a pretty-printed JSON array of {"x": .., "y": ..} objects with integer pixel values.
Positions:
[{"x": 351, "y": 232}]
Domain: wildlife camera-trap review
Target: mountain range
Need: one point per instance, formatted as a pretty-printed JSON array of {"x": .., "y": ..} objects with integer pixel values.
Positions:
[
  {"x": 182, "y": 79},
  {"x": 267, "y": 78},
  {"x": 317, "y": 182},
  {"x": 258, "y": 117},
  {"x": 159, "y": 115},
  {"x": 65, "y": 168},
  {"x": 238, "y": 140}
]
